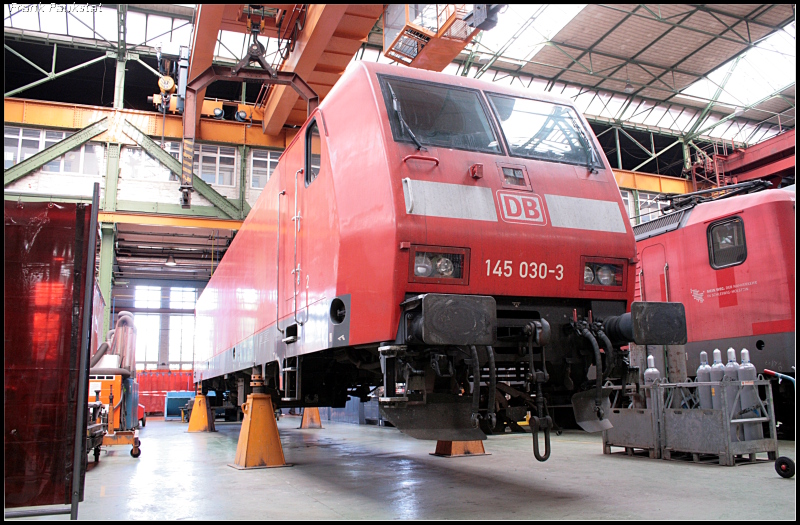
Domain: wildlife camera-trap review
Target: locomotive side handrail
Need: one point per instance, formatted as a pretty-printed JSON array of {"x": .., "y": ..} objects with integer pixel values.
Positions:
[
  {"x": 296, "y": 270},
  {"x": 641, "y": 283},
  {"x": 666, "y": 280},
  {"x": 278, "y": 269},
  {"x": 421, "y": 157}
]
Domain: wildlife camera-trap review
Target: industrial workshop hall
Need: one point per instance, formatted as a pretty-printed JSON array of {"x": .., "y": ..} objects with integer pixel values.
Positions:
[{"x": 399, "y": 261}]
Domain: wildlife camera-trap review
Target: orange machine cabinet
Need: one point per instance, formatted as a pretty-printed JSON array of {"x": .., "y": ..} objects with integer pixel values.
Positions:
[{"x": 108, "y": 385}]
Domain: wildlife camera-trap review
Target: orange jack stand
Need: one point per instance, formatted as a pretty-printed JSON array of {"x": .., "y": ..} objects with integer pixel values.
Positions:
[
  {"x": 311, "y": 418},
  {"x": 202, "y": 418},
  {"x": 259, "y": 442},
  {"x": 455, "y": 449}
]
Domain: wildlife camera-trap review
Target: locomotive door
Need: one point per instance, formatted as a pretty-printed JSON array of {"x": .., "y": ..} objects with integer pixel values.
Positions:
[
  {"x": 655, "y": 274},
  {"x": 302, "y": 168}
]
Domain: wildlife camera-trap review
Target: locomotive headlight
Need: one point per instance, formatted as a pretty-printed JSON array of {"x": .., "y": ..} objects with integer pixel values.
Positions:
[
  {"x": 438, "y": 265},
  {"x": 422, "y": 265},
  {"x": 445, "y": 267},
  {"x": 605, "y": 274}
]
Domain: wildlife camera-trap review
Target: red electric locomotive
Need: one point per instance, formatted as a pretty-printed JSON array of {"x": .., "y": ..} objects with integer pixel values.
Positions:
[
  {"x": 460, "y": 249},
  {"x": 729, "y": 257}
]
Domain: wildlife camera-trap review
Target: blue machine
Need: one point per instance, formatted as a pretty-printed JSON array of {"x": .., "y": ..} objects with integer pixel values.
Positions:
[
  {"x": 131, "y": 397},
  {"x": 174, "y": 402}
]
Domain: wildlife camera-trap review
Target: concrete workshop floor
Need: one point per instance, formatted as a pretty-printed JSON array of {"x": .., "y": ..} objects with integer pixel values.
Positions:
[{"x": 365, "y": 472}]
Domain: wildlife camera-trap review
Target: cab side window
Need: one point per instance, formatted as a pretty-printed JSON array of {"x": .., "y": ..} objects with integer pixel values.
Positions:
[
  {"x": 726, "y": 243},
  {"x": 313, "y": 152}
]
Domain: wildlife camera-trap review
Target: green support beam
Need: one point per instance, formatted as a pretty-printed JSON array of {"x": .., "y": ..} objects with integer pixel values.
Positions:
[
  {"x": 35, "y": 197},
  {"x": 53, "y": 152},
  {"x": 737, "y": 113},
  {"x": 174, "y": 165},
  {"x": 171, "y": 209},
  {"x": 150, "y": 69},
  {"x": 50, "y": 76},
  {"x": 112, "y": 178},
  {"x": 124, "y": 206},
  {"x": 717, "y": 94},
  {"x": 107, "y": 240},
  {"x": 657, "y": 154}
]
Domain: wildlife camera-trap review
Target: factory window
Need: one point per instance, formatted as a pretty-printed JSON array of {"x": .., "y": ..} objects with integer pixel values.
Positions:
[
  {"x": 626, "y": 201},
  {"x": 20, "y": 144},
  {"x": 649, "y": 206},
  {"x": 136, "y": 163},
  {"x": 181, "y": 342},
  {"x": 313, "y": 152},
  {"x": 147, "y": 297},
  {"x": 262, "y": 164},
  {"x": 148, "y": 336},
  {"x": 182, "y": 298},
  {"x": 726, "y": 244},
  {"x": 215, "y": 164}
]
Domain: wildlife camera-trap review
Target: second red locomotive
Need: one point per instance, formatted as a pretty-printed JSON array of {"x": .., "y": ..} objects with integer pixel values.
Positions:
[{"x": 731, "y": 261}]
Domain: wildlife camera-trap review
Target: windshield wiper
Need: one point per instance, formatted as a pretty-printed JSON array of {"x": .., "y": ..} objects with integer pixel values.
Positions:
[
  {"x": 403, "y": 123},
  {"x": 585, "y": 143}
]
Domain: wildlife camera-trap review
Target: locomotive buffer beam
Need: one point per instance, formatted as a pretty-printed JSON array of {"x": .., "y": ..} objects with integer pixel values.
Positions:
[{"x": 648, "y": 323}]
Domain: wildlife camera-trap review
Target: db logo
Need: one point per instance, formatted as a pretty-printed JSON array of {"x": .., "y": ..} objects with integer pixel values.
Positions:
[{"x": 522, "y": 208}]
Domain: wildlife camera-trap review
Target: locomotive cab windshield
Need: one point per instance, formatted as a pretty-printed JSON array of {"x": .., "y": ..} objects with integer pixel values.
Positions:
[
  {"x": 438, "y": 115},
  {"x": 543, "y": 131}
]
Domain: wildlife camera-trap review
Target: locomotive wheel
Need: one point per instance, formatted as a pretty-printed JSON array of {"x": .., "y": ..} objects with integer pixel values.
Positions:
[
  {"x": 784, "y": 467},
  {"x": 136, "y": 452}
]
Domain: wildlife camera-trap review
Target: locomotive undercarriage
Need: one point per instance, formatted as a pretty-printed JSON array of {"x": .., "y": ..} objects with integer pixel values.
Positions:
[
  {"x": 539, "y": 358},
  {"x": 461, "y": 367}
]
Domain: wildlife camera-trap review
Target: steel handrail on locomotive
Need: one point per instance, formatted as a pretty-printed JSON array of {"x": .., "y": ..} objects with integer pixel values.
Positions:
[{"x": 462, "y": 292}]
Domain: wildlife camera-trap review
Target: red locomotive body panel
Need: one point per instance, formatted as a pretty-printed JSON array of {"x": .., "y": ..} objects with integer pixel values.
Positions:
[{"x": 748, "y": 302}]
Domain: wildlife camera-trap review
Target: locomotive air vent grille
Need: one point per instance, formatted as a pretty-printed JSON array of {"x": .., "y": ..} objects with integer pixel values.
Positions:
[{"x": 664, "y": 224}]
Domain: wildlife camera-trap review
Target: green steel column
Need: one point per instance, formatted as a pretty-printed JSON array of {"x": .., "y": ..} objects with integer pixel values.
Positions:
[
  {"x": 636, "y": 206},
  {"x": 119, "y": 79},
  {"x": 112, "y": 176},
  {"x": 119, "y": 84},
  {"x": 107, "y": 239},
  {"x": 244, "y": 151},
  {"x": 687, "y": 158},
  {"x": 619, "y": 152}
]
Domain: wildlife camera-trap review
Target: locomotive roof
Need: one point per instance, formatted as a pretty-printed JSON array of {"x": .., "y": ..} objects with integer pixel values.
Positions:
[
  {"x": 705, "y": 211},
  {"x": 442, "y": 78}
]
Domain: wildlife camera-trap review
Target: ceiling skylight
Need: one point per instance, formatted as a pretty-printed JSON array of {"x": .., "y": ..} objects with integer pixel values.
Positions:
[
  {"x": 549, "y": 21},
  {"x": 761, "y": 71}
]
